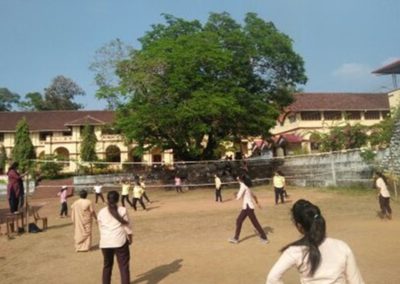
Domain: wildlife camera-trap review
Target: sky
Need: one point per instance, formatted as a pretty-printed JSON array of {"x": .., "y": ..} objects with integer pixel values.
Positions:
[{"x": 341, "y": 41}]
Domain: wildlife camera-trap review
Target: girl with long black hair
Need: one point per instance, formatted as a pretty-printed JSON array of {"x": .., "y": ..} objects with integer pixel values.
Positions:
[
  {"x": 115, "y": 238},
  {"x": 318, "y": 259}
]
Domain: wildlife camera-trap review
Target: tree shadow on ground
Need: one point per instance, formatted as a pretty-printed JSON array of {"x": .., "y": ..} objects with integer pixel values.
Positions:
[
  {"x": 157, "y": 274},
  {"x": 267, "y": 230}
]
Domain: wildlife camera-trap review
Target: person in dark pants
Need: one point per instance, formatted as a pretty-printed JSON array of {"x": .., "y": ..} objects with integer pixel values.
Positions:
[
  {"x": 138, "y": 195},
  {"x": 384, "y": 196},
  {"x": 15, "y": 189},
  {"x": 97, "y": 190},
  {"x": 279, "y": 185},
  {"x": 218, "y": 186},
  {"x": 63, "y": 200},
  {"x": 247, "y": 211},
  {"x": 125, "y": 187},
  {"x": 115, "y": 238},
  {"x": 178, "y": 184}
]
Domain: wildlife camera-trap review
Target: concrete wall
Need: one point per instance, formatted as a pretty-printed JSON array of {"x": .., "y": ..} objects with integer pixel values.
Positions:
[
  {"x": 344, "y": 168},
  {"x": 391, "y": 161}
]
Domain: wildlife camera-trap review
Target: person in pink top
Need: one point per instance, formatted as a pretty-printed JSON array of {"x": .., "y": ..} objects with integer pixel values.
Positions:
[
  {"x": 178, "y": 184},
  {"x": 63, "y": 200},
  {"x": 318, "y": 259},
  {"x": 115, "y": 238}
]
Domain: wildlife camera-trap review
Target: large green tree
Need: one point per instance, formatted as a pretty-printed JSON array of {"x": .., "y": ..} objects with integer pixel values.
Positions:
[
  {"x": 3, "y": 159},
  {"x": 23, "y": 149},
  {"x": 7, "y": 99},
  {"x": 192, "y": 86},
  {"x": 88, "y": 144}
]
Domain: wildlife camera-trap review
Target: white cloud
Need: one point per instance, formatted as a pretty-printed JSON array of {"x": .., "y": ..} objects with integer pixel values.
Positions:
[{"x": 353, "y": 71}]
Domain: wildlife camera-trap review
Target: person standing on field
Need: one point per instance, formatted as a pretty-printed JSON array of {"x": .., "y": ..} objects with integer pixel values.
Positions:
[
  {"x": 218, "y": 186},
  {"x": 125, "y": 187},
  {"x": 97, "y": 190},
  {"x": 279, "y": 184},
  {"x": 138, "y": 195},
  {"x": 383, "y": 195},
  {"x": 115, "y": 238},
  {"x": 247, "y": 211},
  {"x": 82, "y": 215}
]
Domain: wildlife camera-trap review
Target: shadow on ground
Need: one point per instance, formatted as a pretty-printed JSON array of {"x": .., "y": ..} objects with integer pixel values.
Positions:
[{"x": 157, "y": 274}]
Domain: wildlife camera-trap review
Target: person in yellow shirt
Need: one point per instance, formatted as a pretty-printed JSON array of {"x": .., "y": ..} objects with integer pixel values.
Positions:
[
  {"x": 125, "y": 187},
  {"x": 138, "y": 195},
  {"x": 279, "y": 186}
]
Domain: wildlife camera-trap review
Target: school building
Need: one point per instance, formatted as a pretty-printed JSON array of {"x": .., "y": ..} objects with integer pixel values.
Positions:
[
  {"x": 318, "y": 112},
  {"x": 59, "y": 133}
]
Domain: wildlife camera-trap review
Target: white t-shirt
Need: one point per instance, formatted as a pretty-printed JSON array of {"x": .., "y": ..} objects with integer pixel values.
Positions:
[
  {"x": 112, "y": 233},
  {"x": 245, "y": 193},
  {"x": 380, "y": 183},
  {"x": 97, "y": 188},
  {"x": 338, "y": 265}
]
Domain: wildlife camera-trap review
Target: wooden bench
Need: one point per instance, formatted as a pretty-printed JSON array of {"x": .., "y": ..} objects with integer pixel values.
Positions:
[
  {"x": 14, "y": 221},
  {"x": 35, "y": 214}
]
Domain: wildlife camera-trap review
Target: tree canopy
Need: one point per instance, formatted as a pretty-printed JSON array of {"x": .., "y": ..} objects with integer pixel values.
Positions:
[
  {"x": 193, "y": 85},
  {"x": 7, "y": 99},
  {"x": 58, "y": 96},
  {"x": 23, "y": 149},
  {"x": 104, "y": 66}
]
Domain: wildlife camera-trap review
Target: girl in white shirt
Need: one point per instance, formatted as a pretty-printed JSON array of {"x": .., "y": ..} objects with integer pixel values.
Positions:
[
  {"x": 115, "y": 238},
  {"x": 247, "y": 211},
  {"x": 317, "y": 258},
  {"x": 384, "y": 196}
]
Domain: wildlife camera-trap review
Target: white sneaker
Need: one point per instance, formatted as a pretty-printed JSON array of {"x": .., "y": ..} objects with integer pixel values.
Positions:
[
  {"x": 264, "y": 241},
  {"x": 233, "y": 241}
]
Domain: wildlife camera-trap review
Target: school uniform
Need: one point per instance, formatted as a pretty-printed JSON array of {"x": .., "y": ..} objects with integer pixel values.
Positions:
[
  {"x": 137, "y": 196},
  {"x": 384, "y": 197},
  {"x": 337, "y": 264},
  {"x": 279, "y": 184},
  {"x": 247, "y": 211},
  {"x": 125, "y": 194},
  {"x": 218, "y": 186},
  {"x": 113, "y": 241}
]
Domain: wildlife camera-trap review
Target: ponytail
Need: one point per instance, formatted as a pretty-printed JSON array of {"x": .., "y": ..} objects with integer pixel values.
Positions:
[
  {"x": 112, "y": 200},
  {"x": 313, "y": 227}
]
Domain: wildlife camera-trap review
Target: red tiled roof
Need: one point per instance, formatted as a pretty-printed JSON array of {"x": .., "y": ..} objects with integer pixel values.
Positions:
[
  {"x": 340, "y": 101},
  {"x": 292, "y": 138},
  {"x": 392, "y": 68},
  {"x": 54, "y": 120}
]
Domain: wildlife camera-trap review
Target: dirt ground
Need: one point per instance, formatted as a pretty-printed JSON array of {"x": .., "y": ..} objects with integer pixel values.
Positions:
[{"x": 183, "y": 239}]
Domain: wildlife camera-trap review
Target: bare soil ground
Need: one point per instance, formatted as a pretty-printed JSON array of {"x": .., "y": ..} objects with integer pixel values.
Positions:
[{"x": 183, "y": 239}]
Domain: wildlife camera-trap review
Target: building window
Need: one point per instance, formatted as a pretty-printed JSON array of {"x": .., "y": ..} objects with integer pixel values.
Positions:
[
  {"x": 353, "y": 115},
  {"x": 332, "y": 115},
  {"x": 310, "y": 115},
  {"x": 292, "y": 118},
  {"x": 370, "y": 115},
  {"x": 43, "y": 135},
  {"x": 1, "y": 137},
  {"x": 385, "y": 114}
]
